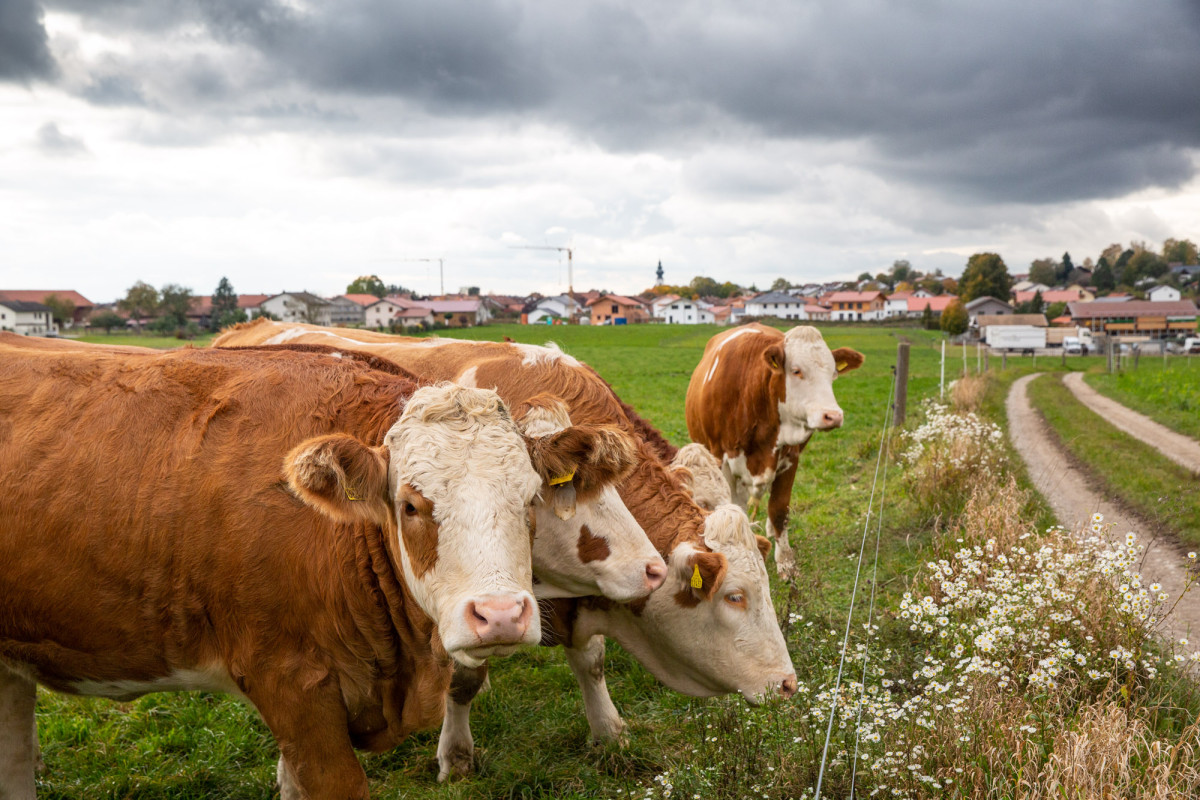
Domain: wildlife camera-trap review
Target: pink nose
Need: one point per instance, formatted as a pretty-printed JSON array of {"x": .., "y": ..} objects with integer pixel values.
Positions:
[
  {"x": 788, "y": 687},
  {"x": 831, "y": 419},
  {"x": 656, "y": 573},
  {"x": 499, "y": 620}
]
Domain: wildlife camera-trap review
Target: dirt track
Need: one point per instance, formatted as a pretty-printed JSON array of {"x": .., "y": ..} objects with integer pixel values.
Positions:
[
  {"x": 1183, "y": 450},
  {"x": 1071, "y": 496}
]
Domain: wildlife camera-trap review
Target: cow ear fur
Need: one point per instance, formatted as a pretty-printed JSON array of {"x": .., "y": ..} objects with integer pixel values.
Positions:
[
  {"x": 711, "y": 566},
  {"x": 686, "y": 477},
  {"x": 595, "y": 456},
  {"x": 774, "y": 356},
  {"x": 341, "y": 477},
  {"x": 847, "y": 359},
  {"x": 764, "y": 545}
]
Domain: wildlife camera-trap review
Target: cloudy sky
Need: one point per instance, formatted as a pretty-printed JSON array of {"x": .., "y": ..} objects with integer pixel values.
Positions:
[{"x": 295, "y": 144}]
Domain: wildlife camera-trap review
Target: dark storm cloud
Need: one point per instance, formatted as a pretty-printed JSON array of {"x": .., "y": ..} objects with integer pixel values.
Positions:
[
  {"x": 24, "y": 53},
  {"x": 1026, "y": 102}
]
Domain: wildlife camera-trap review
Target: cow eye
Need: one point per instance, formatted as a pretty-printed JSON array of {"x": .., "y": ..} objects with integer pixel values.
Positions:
[
  {"x": 410, "y": 510},
  {"x": 736, "y": 599},
  {"x": 799, "y": 373}
]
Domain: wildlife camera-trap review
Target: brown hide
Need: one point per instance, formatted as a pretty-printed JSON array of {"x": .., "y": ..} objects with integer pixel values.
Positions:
[
  {"x": 737, "y": 411},
  {"x": 147, "y": 528}
]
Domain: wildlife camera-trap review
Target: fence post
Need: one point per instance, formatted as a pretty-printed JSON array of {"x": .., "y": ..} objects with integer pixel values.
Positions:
[
  {"x": 901, "y": 398},
  {"x": 1004, "y": 360}
]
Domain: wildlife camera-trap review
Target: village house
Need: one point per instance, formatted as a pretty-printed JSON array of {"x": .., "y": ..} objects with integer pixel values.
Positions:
[
  {"x": 1163, "y": 294},
  {"x": 659, "y": 304},
  {"x": 687, "y": 312},
  {"x": 776, "y": 304},
  {"x": 856, "y": 306},
  {"x": 1157, "y": 319},
  {"x": 935, "y": 303},
  {"x": 986, "y": 305},
  {"x": 200, "y": 311},
  {"x": 83, "y": 306},
  {"x": 27, "y": 318},
  {"x": 616, "y": 309},
  {"x": 298, "y": 307}
]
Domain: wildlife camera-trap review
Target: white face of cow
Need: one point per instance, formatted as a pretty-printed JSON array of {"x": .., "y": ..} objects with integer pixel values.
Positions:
[
  {"x": 810, "y": 369},
  {"x": 721, "y": 636},
  {"x": 586, "y": 542},
  {"x": 454, "y": 479}
]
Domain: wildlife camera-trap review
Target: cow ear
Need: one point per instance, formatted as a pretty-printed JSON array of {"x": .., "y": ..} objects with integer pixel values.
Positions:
[
  {"x": 686, "y": 477},
  {"x": 705, "y": 573},
  {"x": 847, "y": 359},
  {"x": 341, "y": 477},
  {"x": 590, "y": 457},
  {"x": 774, "y": 357},
  {"x": 764, "y": 545}
]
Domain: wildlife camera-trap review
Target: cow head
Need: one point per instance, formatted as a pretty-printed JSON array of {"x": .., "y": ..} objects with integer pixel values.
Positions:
[
  {"x": 711, "y": 629},
  {"x": 586, "y": 541},
  {"x": 802, "y": 373},
  {"x": 451, "y": 485},
  {"x": 700, "y": 473}
]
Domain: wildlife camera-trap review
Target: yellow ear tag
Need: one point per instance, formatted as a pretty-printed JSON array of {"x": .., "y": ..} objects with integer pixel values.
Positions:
[
  {"x": 697, "y": 581},
  {"x": 842, "y": 367},
  {"x": 561, "y": 479},
  {"x": 350, "y": 495}
]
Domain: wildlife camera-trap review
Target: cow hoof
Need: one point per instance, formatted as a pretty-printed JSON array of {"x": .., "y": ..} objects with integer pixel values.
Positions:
[
  {"x": 786, "y": 567},
  {"x": 457, "y": 763},
  {"x": 611, "y": 732}
]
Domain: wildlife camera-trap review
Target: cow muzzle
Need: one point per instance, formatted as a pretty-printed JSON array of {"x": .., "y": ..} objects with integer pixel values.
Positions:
[
  {"x": 498, "y": 620},
  {"x": 826, "y": 419}
]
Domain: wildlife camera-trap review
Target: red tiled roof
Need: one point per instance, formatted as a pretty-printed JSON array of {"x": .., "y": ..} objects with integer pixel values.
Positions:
[
  {"x": 851, "y": 297},
  {"x": 39, "y": 295},
  {"x": 936, "y": 304},
  {"x": 363, "y": 300}
]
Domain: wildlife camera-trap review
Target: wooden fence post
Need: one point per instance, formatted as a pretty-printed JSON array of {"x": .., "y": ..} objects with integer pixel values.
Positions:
[{"x": 901, "y": 399}]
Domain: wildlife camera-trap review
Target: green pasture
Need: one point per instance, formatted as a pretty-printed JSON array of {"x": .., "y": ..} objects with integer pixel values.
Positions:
[
  {"x": 144, "y": 340},
  {"x": 1166, "y": 390},
  {"x": 530, "y": 731}
]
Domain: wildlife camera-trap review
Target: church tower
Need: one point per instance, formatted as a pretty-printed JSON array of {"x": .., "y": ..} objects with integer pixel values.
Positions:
[{"x": 659, "y": 275}]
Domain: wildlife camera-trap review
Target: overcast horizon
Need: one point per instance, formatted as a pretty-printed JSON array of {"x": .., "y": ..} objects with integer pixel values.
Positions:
[{"x": 295, "y": 145}]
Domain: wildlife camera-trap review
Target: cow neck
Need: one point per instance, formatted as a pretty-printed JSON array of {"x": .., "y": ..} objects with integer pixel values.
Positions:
[{"x": 661, "y": 505}]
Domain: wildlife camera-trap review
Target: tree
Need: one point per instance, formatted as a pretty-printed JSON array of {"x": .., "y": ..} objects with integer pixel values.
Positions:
[
  {"x": 1144, "y": 264},
  {"x": 955, "y": 318},
  {"x": 62, "y": 309},
  {"x": 367, "y": 284},
  {"x": 780, "y": 285},
  {"x": 1056, "y": 310},
  {"x": 1103, "y": 276},
  {"x": 1180, "y": 251},
  {"x": 901, "y": 270},
  {"x": 139, "y": 302},
  {"x": 985, "y": 276},
  {"x": 174, "y": 304},
  {"x": 928, "y": 322},
  {"x": 225, "y": 311},
  {"x": 1043, "y": 271},
  {"x": 1065, "y": 268},
  {"x": 864, "y": 276},
  {"x": 107, "y": 320}
]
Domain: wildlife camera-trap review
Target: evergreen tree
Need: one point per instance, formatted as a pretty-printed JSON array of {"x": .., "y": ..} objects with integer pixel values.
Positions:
[
  {"x": 1103, "y": 276},
  {"x": 927, "y": 320},
  {"x": 225, "y": 311}
]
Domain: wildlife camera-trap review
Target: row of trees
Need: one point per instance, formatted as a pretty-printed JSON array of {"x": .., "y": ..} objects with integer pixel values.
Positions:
[{"x": 167, "y": 309}]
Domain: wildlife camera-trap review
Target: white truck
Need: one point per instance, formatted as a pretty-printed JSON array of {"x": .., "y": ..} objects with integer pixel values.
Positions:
[
  {"x": 1026, "y": 338},
  {"x": 1190, "y": 346}
]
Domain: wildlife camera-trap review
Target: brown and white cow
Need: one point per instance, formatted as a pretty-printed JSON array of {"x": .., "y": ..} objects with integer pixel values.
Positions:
[
  {"x": 754, "y": 401},
  {"x": 701, "y": 472},
  {"x": 721, "y": 637},
  {"x": 313, "y": 534}
]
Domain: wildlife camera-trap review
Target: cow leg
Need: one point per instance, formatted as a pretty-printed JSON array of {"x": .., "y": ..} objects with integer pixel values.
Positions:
[
  {"x": 456, "y": 746},
  {"x": 739, "y": 490},
  {"x": 317, "y": 760},
  {"x": 777, "y": 513},
  {"x": 587, "y": 663},
  {"x": 19, "y": 753}
]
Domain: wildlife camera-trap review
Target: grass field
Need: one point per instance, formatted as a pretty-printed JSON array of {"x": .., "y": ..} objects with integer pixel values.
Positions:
[
  {"x": 1166, "y": 391},
  {"x": 1160, "y": 490},
  {"x": 530, "y": 732},
  {"x": 144, "y": 340}
]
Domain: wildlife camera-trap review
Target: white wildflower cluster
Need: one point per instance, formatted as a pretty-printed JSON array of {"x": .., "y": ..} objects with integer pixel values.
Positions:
[{"x": 954, "y": 442}]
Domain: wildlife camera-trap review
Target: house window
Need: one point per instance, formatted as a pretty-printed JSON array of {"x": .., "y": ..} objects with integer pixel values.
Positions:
[{"x": 614, "y": 308}]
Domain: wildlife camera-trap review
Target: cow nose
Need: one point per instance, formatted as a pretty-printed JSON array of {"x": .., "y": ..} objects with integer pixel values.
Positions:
[
  {"x": 832, "y": 418},
  {"x": 788, "y": 687},
  {"x": 499, "y": 620},
  {"x": 656, "y": 573}
]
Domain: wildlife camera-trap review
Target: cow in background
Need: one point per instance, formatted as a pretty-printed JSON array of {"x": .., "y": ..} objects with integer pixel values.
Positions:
[{"x": 755, "y": 399}]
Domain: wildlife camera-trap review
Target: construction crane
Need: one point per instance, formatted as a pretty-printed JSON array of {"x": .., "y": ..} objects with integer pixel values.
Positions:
[{"x": 570, "y": 264}]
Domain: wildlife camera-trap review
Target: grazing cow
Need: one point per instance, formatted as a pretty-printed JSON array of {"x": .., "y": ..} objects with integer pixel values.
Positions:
[
  {"x": 319, "y": 536},
  {"x": 754, "y": 401},
  {"x": 710, "y": 629}
]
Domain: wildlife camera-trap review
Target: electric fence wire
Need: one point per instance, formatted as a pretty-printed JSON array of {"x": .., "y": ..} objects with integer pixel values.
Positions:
[{"x": 854, "y": 593}]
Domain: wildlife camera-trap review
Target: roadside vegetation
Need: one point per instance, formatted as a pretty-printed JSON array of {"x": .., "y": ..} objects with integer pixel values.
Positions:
[
  {"x": 986, "y": 669},
  {"x": 1166, "y": 391},
  {"x": 1159, "y": 490}
]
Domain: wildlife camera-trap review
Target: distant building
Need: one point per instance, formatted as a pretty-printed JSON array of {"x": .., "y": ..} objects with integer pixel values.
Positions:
[
  {"x": 936, "y": 305},
  {"x": 985, "y": 321},
  {"x": 1163, "y": 293},
  {"x": 857, "y": 306},
  {"x": 349, "y": 309},
  {"x": 688, "y": 312},
  {"x": 776, "y": 304},
  {"x": 299, "y": 307},
  {"x": 83, "y": 306},
  {"x": 986, "y": 305},
  {"x": 27, "y": 318},
  {"x": 614, "y": 309},
  {"x": 552, "y": 308},
  {"x": 1156, "y": 319},
  {"x": 458, "y": 313},
  {"x": 658, "y": 275},
  {"x": 1068, "y": 295}
]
